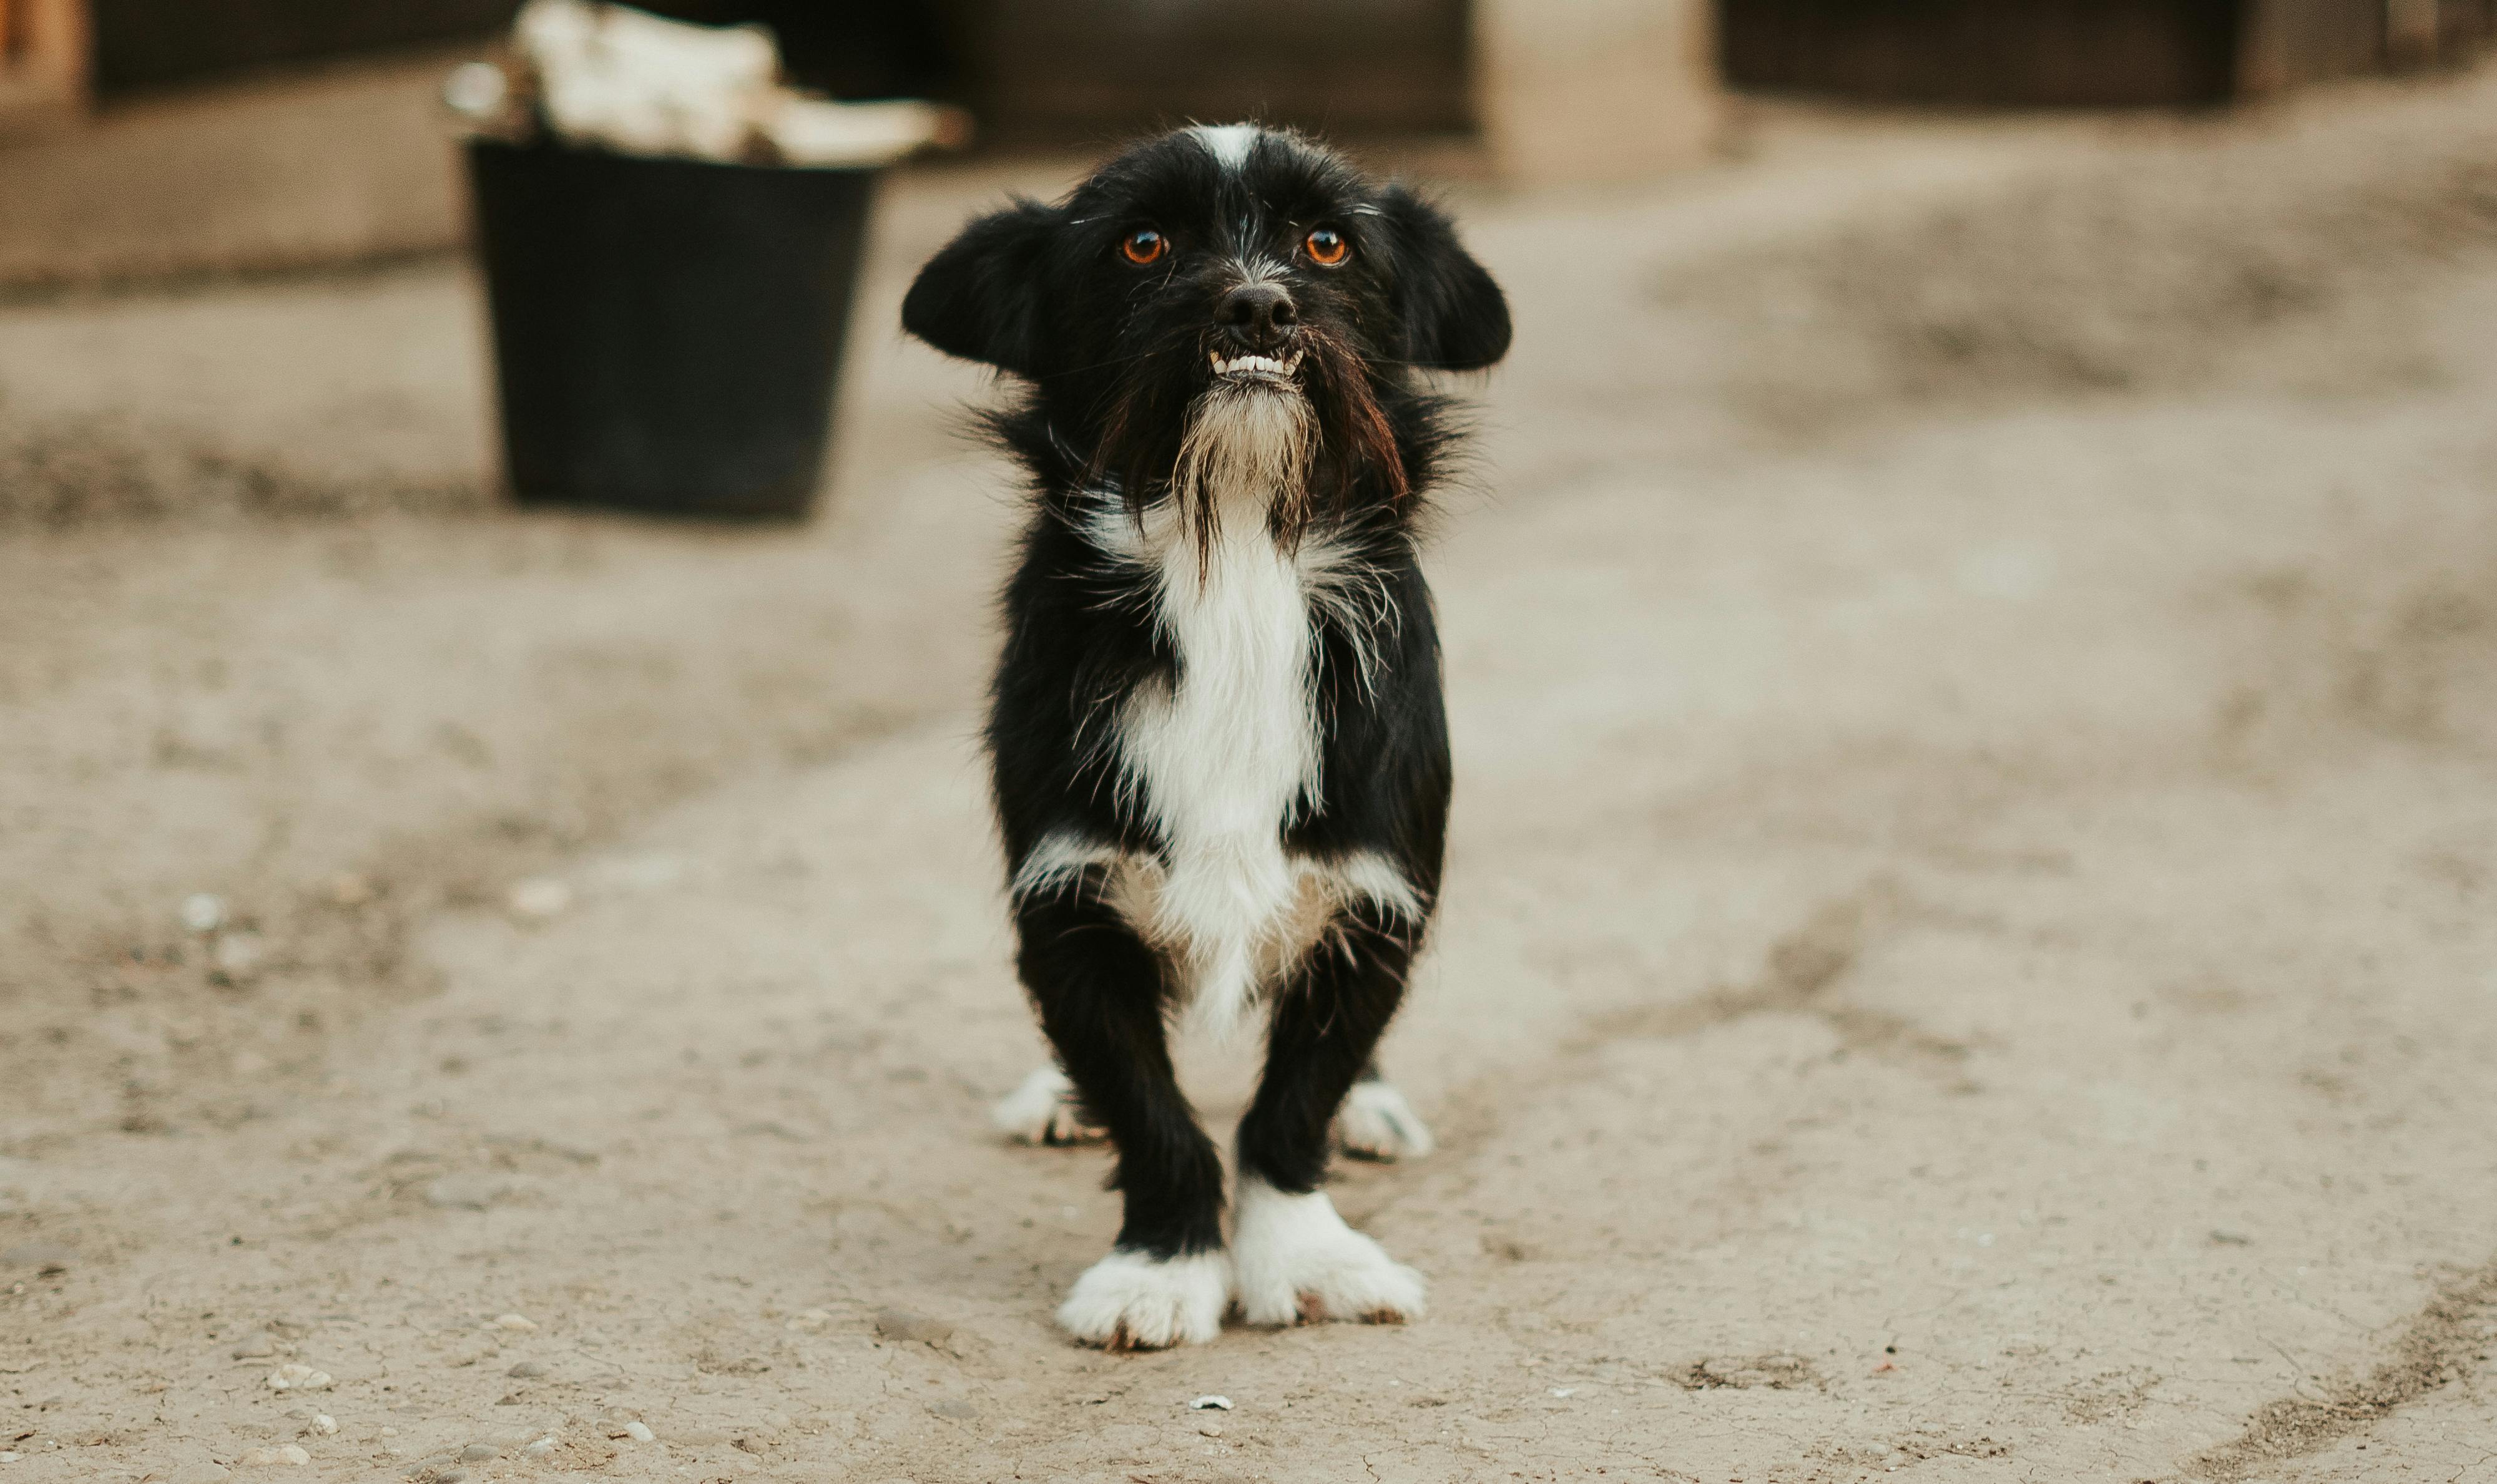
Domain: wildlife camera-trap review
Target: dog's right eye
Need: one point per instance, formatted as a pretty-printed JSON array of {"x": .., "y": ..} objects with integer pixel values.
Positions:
[{"x": 1144, "y": 245}]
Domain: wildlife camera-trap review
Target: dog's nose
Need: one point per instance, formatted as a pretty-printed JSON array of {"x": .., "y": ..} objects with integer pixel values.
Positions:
[{"x": 1259, "y": 312}]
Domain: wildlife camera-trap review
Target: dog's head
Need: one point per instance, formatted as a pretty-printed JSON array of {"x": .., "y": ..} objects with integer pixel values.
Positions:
[{"x": 1219, "y": 305}]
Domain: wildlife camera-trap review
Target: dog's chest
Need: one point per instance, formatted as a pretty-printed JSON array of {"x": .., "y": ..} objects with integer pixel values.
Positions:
[
  {"x": 1220, "y": 756},
  {"x": 1223, "y": 752}
]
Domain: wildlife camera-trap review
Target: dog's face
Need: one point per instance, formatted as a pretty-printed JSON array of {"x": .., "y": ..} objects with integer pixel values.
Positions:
[{"x": 1207, "y": 269}]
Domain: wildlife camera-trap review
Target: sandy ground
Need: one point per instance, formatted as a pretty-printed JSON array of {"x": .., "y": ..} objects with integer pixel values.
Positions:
[{"x": 1967, "y": 953}]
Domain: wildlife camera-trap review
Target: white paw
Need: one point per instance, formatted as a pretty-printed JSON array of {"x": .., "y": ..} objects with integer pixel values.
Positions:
[
  {"x": 1376, "y": 1122},
  {"x": 1044, "y": 1110},
  {"x": 1133, "y": 1301},
  {"x": 1294, "y": 1261}
]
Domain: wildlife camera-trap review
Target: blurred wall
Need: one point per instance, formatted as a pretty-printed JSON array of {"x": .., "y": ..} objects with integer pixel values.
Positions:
[
  {"x": 2083, "y": 52},
  {"x": 279, "y": 173},
  {"x": 142, "y": 43},
  {"x": 2284, "y": 43},
  {"x": 2037, "y": 51},
  {"x": 855, "y": 48},
  {"x": 1035, "y": 71},
  {"x": 1083, "y": 70}
]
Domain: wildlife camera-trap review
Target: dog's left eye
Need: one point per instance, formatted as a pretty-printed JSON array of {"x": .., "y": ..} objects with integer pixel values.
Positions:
[
  {"x": 1144, "y": 245},
  {"x": 1326, "y": 246}
]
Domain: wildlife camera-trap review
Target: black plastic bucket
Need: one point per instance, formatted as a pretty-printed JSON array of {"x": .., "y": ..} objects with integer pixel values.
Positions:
[{"x": 667, "y": 332}]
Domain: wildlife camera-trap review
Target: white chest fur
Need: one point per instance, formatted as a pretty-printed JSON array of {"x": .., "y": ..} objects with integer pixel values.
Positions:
[{"x": 1225, "y": 756}]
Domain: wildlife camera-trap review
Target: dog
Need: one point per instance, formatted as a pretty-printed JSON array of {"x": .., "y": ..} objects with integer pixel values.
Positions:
[{"x": 1219, "y": 744}]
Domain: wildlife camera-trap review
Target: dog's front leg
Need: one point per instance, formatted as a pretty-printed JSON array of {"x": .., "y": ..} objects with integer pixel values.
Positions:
[
  {"x": 1102, "y": 995},
  {"x": 1294, "y": 1258}
]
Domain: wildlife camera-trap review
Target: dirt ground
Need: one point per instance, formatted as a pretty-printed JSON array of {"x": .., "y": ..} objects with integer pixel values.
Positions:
[{"x": 1967, "y": 955}]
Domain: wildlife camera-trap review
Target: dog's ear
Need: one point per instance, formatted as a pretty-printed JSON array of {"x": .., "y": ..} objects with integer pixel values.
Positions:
[
  {"x": 980, "y": 298},
  {"x": 1455, "y": 317}
]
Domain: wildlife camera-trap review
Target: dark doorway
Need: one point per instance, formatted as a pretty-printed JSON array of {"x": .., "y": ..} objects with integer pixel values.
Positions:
[
  {"x": 2049, "y": 52},
  {"x": 888, "y": 49}
]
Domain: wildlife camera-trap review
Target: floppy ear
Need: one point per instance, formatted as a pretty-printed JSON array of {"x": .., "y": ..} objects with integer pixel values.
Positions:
[
  {"x": 1455, "y": 317},
  {"x": 980, "y": 298}
]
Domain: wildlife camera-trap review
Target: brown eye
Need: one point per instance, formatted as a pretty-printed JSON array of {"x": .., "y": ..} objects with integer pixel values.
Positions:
[
  {"x": 1326, "y": 247},
  {"x": 1144, "y": 245}
]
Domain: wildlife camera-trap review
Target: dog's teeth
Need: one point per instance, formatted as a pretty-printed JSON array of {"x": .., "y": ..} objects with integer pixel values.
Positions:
[{"x": 1266, "y": 364}]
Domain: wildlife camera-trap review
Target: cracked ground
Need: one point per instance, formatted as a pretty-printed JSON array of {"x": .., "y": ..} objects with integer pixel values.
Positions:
[{"x": 1967, "y": 953}]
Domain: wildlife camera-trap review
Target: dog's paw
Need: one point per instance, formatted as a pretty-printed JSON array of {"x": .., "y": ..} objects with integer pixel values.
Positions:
[
  {"x": 1134, "y": 1301},
  {"x": 1295, "y": 1262},
  {"x": 1376, "y": 1122},
  {"x": 1044, "y": 1110}
]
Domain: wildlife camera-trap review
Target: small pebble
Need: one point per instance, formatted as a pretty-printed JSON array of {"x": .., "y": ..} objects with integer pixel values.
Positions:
[
  {"x": 527, "y": 1371},
  {"x": 478, "y": 1452},
  {"x": 1209, "y": 1428},
  {"x": 514, "y": 1322},
  {"x": 390, "y": 1431},
  {"x": 955, "y": 1408},
  {"x": 297, "y": 1377},
  {"x": 539, "y": 898},
  {"x": 7, "y": 1457},
  {"x": 1203, "y": 1404},
  {"x": 1564, "y": 1391},
  {"x": 255, "y": 1347},
  {"x": 239, "y": 953},
  {"x": 203, "y": 912},
  {"x": 638, "y": 1432},
  {"x": 542, "y": 1447},
  {"x": 323, "y": 1422}
]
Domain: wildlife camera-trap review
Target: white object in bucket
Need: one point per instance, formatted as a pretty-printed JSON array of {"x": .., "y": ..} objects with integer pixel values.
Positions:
[
  {"x": 614, "y": 75},
  {"x": 817, "y": 131}
]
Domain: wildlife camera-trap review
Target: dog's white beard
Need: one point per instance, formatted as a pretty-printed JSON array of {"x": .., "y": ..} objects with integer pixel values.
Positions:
[{"x": 1247, "y": 454}]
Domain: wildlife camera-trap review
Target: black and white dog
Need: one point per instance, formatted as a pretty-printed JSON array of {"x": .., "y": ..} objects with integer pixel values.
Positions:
[{"x": 1220, "y": 756}]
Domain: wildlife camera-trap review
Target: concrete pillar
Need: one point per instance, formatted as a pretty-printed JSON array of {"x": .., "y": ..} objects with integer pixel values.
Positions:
[
  {"x": 2412, "y": 30},
  {"x": 1595, "y": 89},
  {"x": 43, "y": 65},
  {"x": 2285, "y": 44}
]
